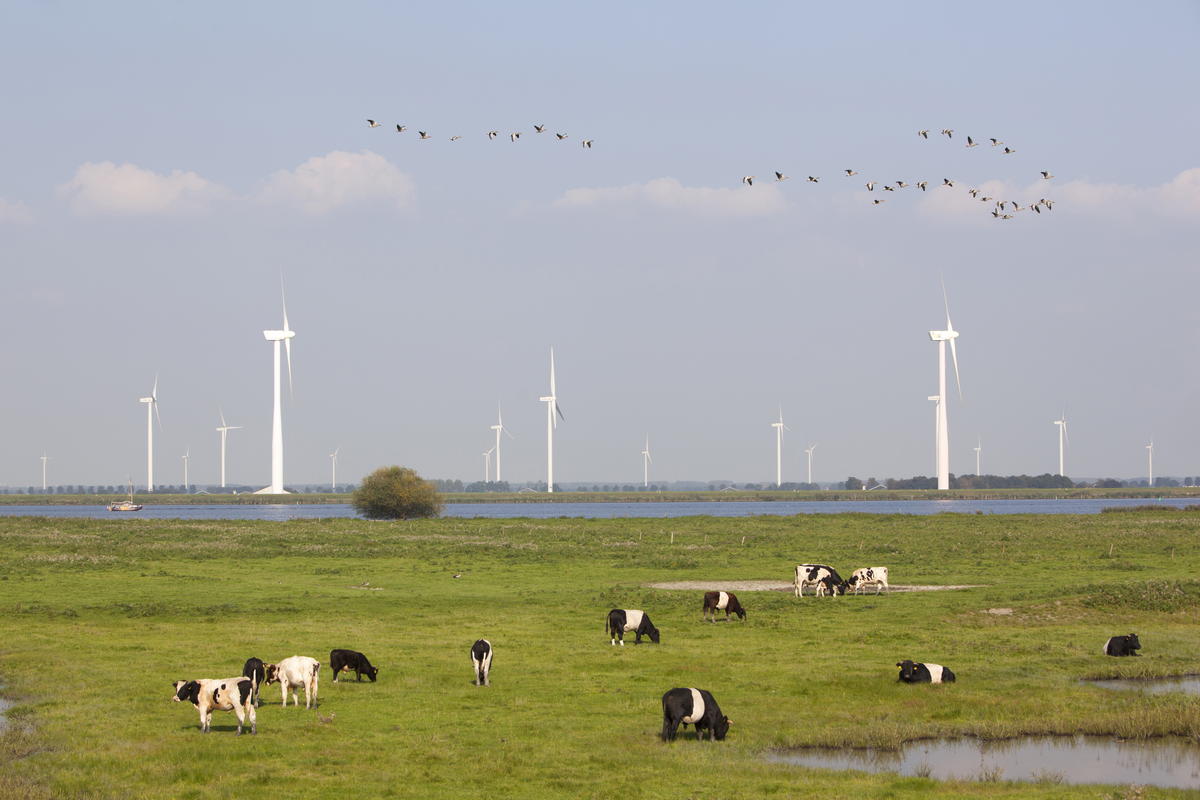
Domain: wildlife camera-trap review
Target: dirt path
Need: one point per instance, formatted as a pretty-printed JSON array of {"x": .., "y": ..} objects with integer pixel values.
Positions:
[{"x": 786, "y": 586}]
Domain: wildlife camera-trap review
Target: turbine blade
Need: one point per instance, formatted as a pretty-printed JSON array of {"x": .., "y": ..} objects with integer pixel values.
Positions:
[
  {"x": 154, "y": 391},
  {"x": 954, "y": 354},
  {"x": 157, "y": 417},
  {"x": 553, "y": 392},
  {"x": 287, "y": 345},
  {"x": 559, "y": 410},
  {"x": 221, "y": 411}
]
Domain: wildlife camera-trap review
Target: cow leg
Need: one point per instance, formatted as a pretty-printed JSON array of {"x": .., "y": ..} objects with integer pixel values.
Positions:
[
  {"x": 241, "y": 718},
  {"x": 670, "y": 725},
  {"x": 253, "y": 719}
]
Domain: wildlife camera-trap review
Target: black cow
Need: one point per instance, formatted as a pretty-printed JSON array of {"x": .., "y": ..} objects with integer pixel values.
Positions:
[
  {"x": 696, "y": 706},
  {"x": 345, "y": 660},
  {"x": 722, "y": 601},
  {"x": 481, "y": 661},
  {"x": 621, "y": 620},
  {"x": 916, "y": 672},
  {"x": 255, "y": 670},
  {"x": 1122, "y": 646}
]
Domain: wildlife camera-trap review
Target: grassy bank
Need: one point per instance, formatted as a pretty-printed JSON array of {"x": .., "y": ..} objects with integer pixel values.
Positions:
[{"x": 98, "y": 617}]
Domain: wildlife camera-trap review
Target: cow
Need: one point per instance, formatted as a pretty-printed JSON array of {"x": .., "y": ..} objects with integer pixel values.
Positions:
[
  {"x": 293, "y": 672},
  {"x": 481, "y": 661},
  {"x": 254, "y": 670},
  {"x": 695, "y": 706},
  {"x": 226, "y": 694},
  {"x": 621, "y": 620},
  {"x": 917, "y": 672},
  {"x": 1122, "y": 646},
  {"x": 823, "y": 577},
  {"x": 867, "y": 576},
  {"x": 346, "y": 660},
  {"x": 722, "y": 601}
]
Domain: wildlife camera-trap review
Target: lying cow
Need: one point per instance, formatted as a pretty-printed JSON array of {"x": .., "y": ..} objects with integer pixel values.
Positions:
[
  {"x": 823, "y": 577},
  {"x": 622, "y": 620},
  {"x": 868, "y": 576},
  {"x": 916, "y": 672},
  {"x": 292, "y": 673},
  {"x": 481, "y": 661},
  {"x": 255, "y": 670},
  {"x": 346, "y": 660},
  {"x": 722, "y": 601},
  {"x": 695, "y": 706},
  {"x": 226, "y": 694},
  {"x": 1122, "y": 646}
]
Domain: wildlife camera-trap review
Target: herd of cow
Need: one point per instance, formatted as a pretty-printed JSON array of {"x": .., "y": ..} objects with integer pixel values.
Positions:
[{"x": 681, "y": 706}]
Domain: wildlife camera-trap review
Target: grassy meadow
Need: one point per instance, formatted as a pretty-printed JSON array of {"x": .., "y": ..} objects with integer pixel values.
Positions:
[{"x": 98, "y": 617}]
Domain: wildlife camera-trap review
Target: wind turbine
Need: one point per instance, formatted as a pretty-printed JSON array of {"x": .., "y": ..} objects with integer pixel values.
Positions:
[
  {"x": 333, "y": 468},
  {"x": 551, "y": 401},
  {"x": 646, "y": 462},
  {"x": 809, "y": 451},
  {"x": 1150, "y": 461},
  {"x": 285, "y": 336},
  {"x": 1063, "y": 441},
  {"x": 224, "y": 431},
  {"x": 487, "y": 465},
  {"x": 499, "y": 428},
  {"x": 779, "y": 429},
  {"x": 978, "y": 448},
  {"x": 937, "y": 433},
  {"x": 45, "y": 458},
  {"x": 943, "y": 437},
  {"x": 151, "y": 414},
  {"x": 187, "y": 455}
]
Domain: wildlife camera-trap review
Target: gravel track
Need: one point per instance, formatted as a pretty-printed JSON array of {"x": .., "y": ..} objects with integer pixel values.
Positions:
[{"x": 786, "y": 586}]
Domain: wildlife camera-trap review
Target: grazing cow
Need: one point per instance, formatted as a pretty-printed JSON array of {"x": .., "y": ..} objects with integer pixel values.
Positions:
[
  {"x": 866, "y": 576},
  {"x": 695, "y": 706},
  {"x": 824, "y": 578},
  {"x": 1122, "y": 646},
  {"x": 254, "y": 669},
  {"x": 226, "y": 694},
  {"x": 722, "y": 601},
  {"x": 481, "y": 661},
  {"x": 621, "y": 620},
  {"x": 917, "y": 672},
  {"x": 292, "y": 673},
  {"x": 346, "y": 660}
]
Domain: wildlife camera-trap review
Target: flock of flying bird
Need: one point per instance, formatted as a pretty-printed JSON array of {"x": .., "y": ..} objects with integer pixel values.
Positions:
[
  {"x": 1001, "y": 209},
  {"x": 512, "y": 137}
]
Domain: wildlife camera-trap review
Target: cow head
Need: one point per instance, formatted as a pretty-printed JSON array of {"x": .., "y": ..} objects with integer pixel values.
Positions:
[
  {"x": 186, "y": 690},
  {"x": 737, "y": 609},
  {"x": 721, "y": 727},
  {"x": 652, "y": 632},
  {"x": 906, "y": 670},
  {"x": 270, "y": 673},
  {"x": 1134, "y": 644},
  {"x": 372, "y": 672}
]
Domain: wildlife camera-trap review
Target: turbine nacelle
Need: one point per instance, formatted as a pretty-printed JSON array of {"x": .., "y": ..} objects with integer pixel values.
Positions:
[
  {"x": 943, "y": 336},
  {"x": 278, "y": 336}
]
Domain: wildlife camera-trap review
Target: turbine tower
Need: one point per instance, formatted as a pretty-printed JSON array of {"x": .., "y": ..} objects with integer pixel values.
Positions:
[
  {"x": 937, "y": 434},
  {"x": 646, "y": 462},
  {"x": 285, "y": 337},
  {"x": 333, "y": 468},
  {"x": 809, "y": 451},
  {"x": 151, "y": 413},
  {"x": 779, "y": 429},
  {"x": 499, "y": 428},
  {"x": 224, "y": 431},
  {"x": 943, "y": 437},
  {"x": 45, "y": 458},
  {"x": 551, "y": 401},
  {"x": 1150, "y": 461},
  {"x": 187, "y": 455},
  {"x": 978, "y": 448},
  {"x": 1063, "y": 441},
  {"x": 487, "y": 465}
]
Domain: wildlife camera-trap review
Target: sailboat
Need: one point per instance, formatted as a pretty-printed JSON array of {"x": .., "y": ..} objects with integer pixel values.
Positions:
[{"x": 125, "y": 505}]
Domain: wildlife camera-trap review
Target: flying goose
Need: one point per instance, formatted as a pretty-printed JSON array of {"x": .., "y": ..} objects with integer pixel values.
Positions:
[
  {"x": 922, "y": 185},
  {"x": 560, "y": 136},
  {"x": 540, "y": 128},
  {"x": 813, "y": 179},
  {"x": 587, "y": 143},
  {"x": 996, "y": 142},
  {"x": 424, "y": 135},
  {"x": 870, "y": 186},
  {"x": 512, "y": 137},
  {"x": 879, "y": 200},
  {"x": 971, "y": 142},
  {"x": 455, "y": 138},
  {"x": 493, "y": 134},
  {"x": 947, "y": 182},
  {"x": 1046, "y": 175},
  {"x": 948, "y": 133},
  {"x": 924, "y": 133},
  {"x": 748, "y": 180},
  {"x": 372, "y": 123},
  {"x": 779, "y": 176},
  {"x": 1009, "y": 151},
  {"x": 850, "y": 172},
  {"x": 401, "y": 128}
]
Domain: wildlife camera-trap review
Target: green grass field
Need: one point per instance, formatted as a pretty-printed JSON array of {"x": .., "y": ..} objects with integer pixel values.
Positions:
[{"x": 97, "y": 618}]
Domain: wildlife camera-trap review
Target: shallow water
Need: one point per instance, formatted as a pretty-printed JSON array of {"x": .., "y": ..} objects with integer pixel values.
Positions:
[
  {"x": 1188, "y": 684},
  {"x": 1168, "y": 762},
  {"x": 4, "y": 706}
]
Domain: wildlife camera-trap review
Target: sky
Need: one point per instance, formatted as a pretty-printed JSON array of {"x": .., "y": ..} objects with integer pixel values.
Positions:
[{"x": 166, "y": 165}]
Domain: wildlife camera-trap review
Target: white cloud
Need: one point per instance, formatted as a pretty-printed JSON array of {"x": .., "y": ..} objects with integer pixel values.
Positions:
[
  {"x": 668, "y": 193},
  {"x": 129, "y": 190},
  {"x": 15, "y": 212},
  {"x": 325, "y": 183}
]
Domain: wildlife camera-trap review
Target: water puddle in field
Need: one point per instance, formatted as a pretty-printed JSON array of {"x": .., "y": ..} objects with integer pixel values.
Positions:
[
  {"x": 1169, "y": 762},
  {"x": 4, "y": 707},
  {"x": 1188, "y": 684}
]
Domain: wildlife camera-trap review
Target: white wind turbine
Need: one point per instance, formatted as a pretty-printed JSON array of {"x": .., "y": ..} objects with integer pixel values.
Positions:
[
  {"x": 978, "y": 448},
  {"x": 937, "y": 434},
  {"x": 1063, "y": 441},
  {"x": 285, "y": 336},
  {"x": 487, "y": 465},
  {"x": 151, "y": 414},
  {"x": 943, "y": 437},
  {"x": 808, "y": 451},
  {"x": 551, "y": 401},
  {"x": 499, "y": 428},
  {"x": 646, "y": 462},
  {"x": 779, "y": 429},
  {"x": 224, "y": 431},
  {"x": 45, "y": 458},
  {"x": 1150, "y": 461},
  {"x": 186, "y": 456}
]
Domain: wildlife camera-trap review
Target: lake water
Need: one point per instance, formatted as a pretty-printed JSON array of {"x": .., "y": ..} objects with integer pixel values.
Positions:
[
  {"x": 1187, "y": 684},
  {"x": 287, "y": 511}
]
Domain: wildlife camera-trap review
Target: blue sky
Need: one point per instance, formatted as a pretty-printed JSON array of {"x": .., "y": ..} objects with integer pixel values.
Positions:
[{"x": 166, "y": 162}]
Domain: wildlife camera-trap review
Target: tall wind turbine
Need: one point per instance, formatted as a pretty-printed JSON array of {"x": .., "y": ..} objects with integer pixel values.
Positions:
[
  {"x": 943, "y": 437},
  {"x": 285, "y": 336},
  {"x": 809, "y": 451},
  {"x": 1063, "y": 441},
  {"x": 646, "y": 462},
  {"x": 151, "y": 413},
  {"x": 551, "y": 401},
  {"x": 499, "y": 428},
  {"x": 487, "y": 465},
  {"x": 45, "y": 458},
  {"x": 224, "y": 431},
  {"x": 1150, "y": 461},
  {"x": 779, "y": 429},
  {"x": 978, "y": 448},
  {"x": 333, "y": 468},
  {"x": 186, "y": 456}
]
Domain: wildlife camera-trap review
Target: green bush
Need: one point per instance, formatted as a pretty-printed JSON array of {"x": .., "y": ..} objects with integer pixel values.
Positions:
[{"x": 396, "y": 493}]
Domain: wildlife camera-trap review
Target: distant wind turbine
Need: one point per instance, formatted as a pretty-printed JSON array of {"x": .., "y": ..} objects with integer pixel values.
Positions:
[
  {"x": 333, "y": 469},
  {"x": 809, "y": 451},
  {"x": 487, "y": 465},
  {"x": 186, "y": 456},
  {"x": 779, "y": 429},
  {"x": 978, "y": 449},
  {"x": 943, "y": 437},
  {"x": 1150, "y": 461},
  {"x": 499, "y": 428},
  {"x": 45, "y": 458},
  {"x": 224, "y": 431},
  {"x": 151, "y": 414},
  {"x": 552, "y": 409},
  {"x": 646, "y": 462},
  {"x": 1063, "y": 441},
  {"x": 285, "y": 336}
]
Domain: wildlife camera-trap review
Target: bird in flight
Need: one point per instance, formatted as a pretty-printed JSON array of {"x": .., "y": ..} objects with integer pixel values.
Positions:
[
  {"x": 493, "y": 134},
  {"x": 587, "y": 143},
  {"x": 922, "y": 185},
  {"x": 948, "y": 133},
  {"x": 401, "y": 128},
  {"x": 870, "y": 186},
  {"x": 748, "y": 180},
  {"x": 424, "y": 135},
  {"x": 1046, "y": 175},
  {"x": 947, "y": 182},
  {"x": 512, "y": 137},
  {"x": 971, "y": 142},
  {"x": 850, "y": 172},
  {"x": 372, "y": 123},
  {"x": 560, "y": 136},
  {"x": 1009, "y": 151},
  {"x": 923, "y": 134},
  {"x": 879, "y": 200},
  {"x": 901, "y": 185},
  {"x": 813, "y": 179},
  {"x": 455, "y": 138},
  {"x": 996, "y": 142},
  {"x": 779, "y": 176},
  {"x": 540, "y": 128}
]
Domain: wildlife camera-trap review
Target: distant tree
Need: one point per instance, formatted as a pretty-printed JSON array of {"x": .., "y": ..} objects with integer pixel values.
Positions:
[
  {"x": 396, "y": 493},
  {"x": 1108, "y": 483},
  {"x": 853, "y": 484}
]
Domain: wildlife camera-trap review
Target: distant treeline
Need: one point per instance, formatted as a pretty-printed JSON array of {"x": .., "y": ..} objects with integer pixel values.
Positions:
[{"x": 1043, "y": 481}]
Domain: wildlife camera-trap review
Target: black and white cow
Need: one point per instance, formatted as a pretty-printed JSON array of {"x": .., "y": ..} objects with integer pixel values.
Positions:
[
  {"x": 825, "y": 578},
  {"x": 722, "y": 601},
  {"x": 629, "y": 619},
  {"x": 481, "y": 661},
  {"x": 346, "y": 660},
  {"x": 916, "y": 672},
  {"x": 695, "y": 706},
  {"x": 1123, "y": 646},
  {"x": 255, "y": 670},
  {"x": 868, "y": 576},
  {"x": 226, "y": 694}
]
